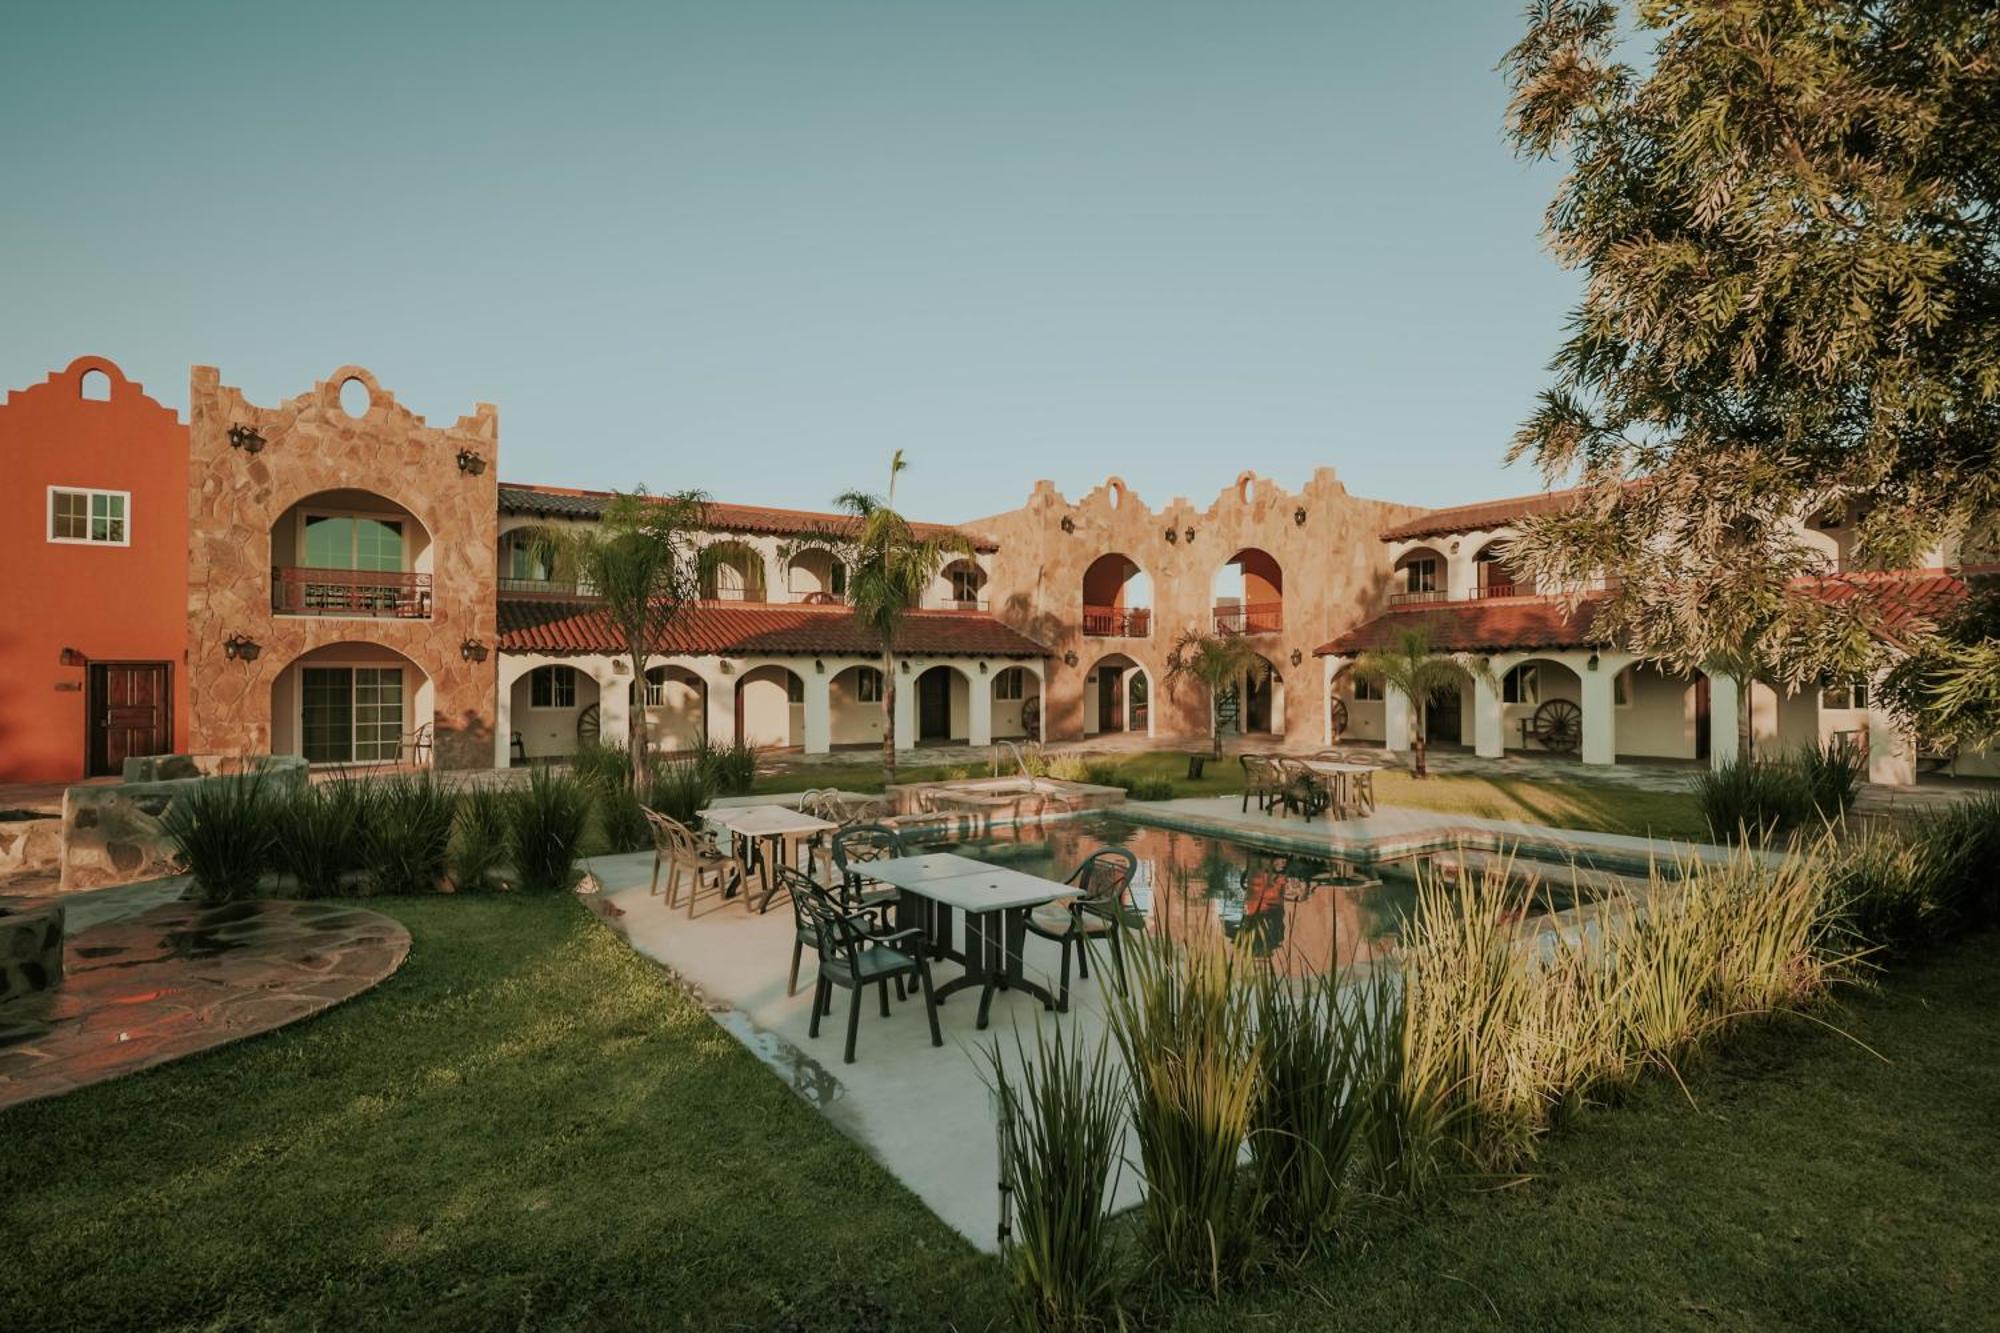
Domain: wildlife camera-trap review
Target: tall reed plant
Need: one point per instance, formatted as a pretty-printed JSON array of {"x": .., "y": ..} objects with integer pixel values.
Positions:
[
  {"x": 479, "y": 843},
  {"x": 407, "y": 839},
  {"x": 547, "y": 820},
  {"x": 679, "y": 788},
  {"x": 223, "y": 831},
  {"x": 316, "y": 832},
  {"x": 1062, "y": 1121},
  {"x": 1184, "y": 1025}
]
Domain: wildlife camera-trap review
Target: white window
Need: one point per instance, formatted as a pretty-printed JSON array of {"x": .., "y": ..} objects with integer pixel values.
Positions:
[
  {"x": 965, "y": 584},
  {"x": 868, "y": 686},
  {"x": 1848, "y": 694},
  {"x": 1522, "y": 685},
  {"x": 1421, "y": 575},
  {"x": 91, "y": 518},
  {"x": 552, "y": 687},
  {"x": 1366, "y": 690},
  {"x": 351, "y": 714},
  {"x": 1011, "y": 684}
]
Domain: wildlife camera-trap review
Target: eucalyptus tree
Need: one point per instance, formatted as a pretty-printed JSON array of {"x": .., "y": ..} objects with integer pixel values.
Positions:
[
  {"x": 1411, "y": 667},
  {"x": 644, "y": 561},
  {"x": 1787, "y": 213},
  {"x": 889, "y": 565},
  {"x": 1217, "y": 663}
]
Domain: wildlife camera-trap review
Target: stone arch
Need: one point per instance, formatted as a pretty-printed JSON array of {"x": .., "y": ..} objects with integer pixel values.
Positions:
[
  {"x": 1020, "y": 710},
  {"x": 732, "y": 571},
  {"x": 1493, "y": 574},
  {"x": 941, "y": 702},
  {"x": 1118, "y": 697},
  {"x": 1527, "y": 681},
  {"x": 961, "y": 584},
  {"x": 675, "y": 700},
  {"x": 770, "y": 707},
  {"x": 1260, "y": 700},
  {"x": 1248, "y": 590},
  {"x": 354, "y": 702},
  {"x": 351, "y": 551},
  {"x": 550, "y": 703},
  {"x": 815, "y": 576},
  {"x": 1422, "y": 574},
  {"x": 1117, "y": 596}
]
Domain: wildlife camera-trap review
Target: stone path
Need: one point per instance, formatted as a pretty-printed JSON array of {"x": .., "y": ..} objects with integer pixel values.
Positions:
[{"x": 151, "y": 979}]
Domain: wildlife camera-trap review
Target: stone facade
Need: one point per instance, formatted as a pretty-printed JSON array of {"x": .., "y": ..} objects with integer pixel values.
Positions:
[
  {"x": 1324, "y": 542},
  {"x": 31, "y": 950},
  {"x": 311, "y": 445},
  {"x": 116, "y": 834}
]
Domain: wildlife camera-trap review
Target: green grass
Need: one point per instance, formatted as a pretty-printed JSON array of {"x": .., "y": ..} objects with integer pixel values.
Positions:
[
  {"x": 1605, "y": 809},
  {"x": 531, "y": 1127},
  {"x": 527, "y": 1126}
]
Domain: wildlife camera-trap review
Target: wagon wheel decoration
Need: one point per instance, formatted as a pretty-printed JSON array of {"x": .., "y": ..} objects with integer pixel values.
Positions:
[
  {"x": 1339, "y": 719},
  {"x": 588, "y": 725},
  {"x": 1558, "y": 725},
  {"x": 1031, "y": 718}
]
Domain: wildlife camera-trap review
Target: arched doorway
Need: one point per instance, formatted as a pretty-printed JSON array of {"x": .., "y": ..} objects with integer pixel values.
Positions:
[
  {"x": 1493, "y": 576},
  {"x": 1249, "y": 594},
  {"x": 854, "y": 706},
  {"x": 1260, "y": 700},
  {"x": 1422, "y": 575},
  {"x": 554, "y": 708},
  {"x": 943, "y": 705},
  {"x": 732, "y": 571},
  {"x": 771, "y": 708},
  {"x": 816, "y": 578},
  {"x": 1117, "y": 696},
  {"x": 960, "y": 586},
  {"x": 1545, "y": 688},
  {"x": 354, "y": 703},
  {"x": 1117, "y": 599},
  {"x": 350, "y": 553},
  {"x": 676, "y": 704},
  {"x": 1355, "y": 707}
]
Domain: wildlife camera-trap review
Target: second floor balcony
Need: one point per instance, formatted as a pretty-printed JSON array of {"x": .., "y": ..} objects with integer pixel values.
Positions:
[
  {"x": 1117, "y": 622},
  {"x": 1250, "y": 618},
  {"x": 390, "y": 594}
]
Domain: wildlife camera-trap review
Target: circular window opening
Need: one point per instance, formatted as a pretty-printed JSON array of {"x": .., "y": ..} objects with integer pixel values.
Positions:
[{"x": 355, "y": 400}]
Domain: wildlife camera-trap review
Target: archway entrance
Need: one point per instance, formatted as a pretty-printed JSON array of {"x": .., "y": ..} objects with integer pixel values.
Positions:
[
  {"x": 771, "y": 708},
  {"x": 943, "y": 705},
  {"x": 353, "y": 703},
  {"x": 1117, "y": 696}
]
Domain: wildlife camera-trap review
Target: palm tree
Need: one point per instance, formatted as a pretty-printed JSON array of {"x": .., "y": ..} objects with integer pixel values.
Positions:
[
  {"x": 644, "y": 561},
  {"x": 1216, "y": 662},
  {"x": 888, "y": 567},
  {"x": 1409, "y": 667}
]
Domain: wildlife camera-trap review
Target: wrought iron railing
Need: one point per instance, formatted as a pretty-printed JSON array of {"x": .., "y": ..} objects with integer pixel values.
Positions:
[
  {"x": 547, "y": 588},
  {"x": 1499, "y": 588},
  {"x": 1255, "y": 618},
  {"x": 1418, "y": 596},
  {"x": 350, "y": 592},
  {"x": 1117, "y": 622}
]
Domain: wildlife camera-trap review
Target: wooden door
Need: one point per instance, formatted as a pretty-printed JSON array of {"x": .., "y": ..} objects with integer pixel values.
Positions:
[
  {"x": 934, "y": 705},
  {"x": 1701, "y": 723},
  {"x": 1110, "y": 716},
  {"x": 131, "y": 714}
]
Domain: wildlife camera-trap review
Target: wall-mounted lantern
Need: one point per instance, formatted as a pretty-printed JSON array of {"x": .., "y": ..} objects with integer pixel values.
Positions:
[
  {"x": 620, "y": 667},
  {"x": 241, "y": 648},
  {"x": 1171, "y": 535},
  {"x": 472, "y": 650},
  {"x": 1069, "y": 658},
  {"x": 470, "y": 463},
  {"x": 1297, "y": 657},
  {"x": 819, "y": 666},
  {"x": 247, "y": 439},
  {"x": 1068, "y": 523},
  {"x": 1299, "y": 516},
  {"x": 1592, "y": 663},
  {"x": 73, "y": 657},
  {"x": 906, "y": 666},
  {"x": 982, "y": 668}
]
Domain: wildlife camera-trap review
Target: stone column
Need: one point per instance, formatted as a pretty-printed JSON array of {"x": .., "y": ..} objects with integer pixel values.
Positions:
[
  {"x": 979, "y": 708},
  {"x": 1600, "y": 711},
  {"x": 819, "y": 711},
  {"x": 1723, "y": 706},
  {"x": 503, "y": 723},
  {"x": 720, "y": 724},
  {"x": 1489, "y": 718},
  {"x": 1395, "y": 719},
  {"x": 906, "y": 705}
]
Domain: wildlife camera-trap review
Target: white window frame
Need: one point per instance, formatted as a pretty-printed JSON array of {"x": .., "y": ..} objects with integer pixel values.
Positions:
[
  {"x": 968, "y": 582},
  {"x": 553, "y": 679},
  {"x": 868, "y": 684},
  {"x": 1421, "y": 569},
  {"x": 1856, "y": 692},
  {"x": 88, "y": 492},
  {"x": 350, "y": 666}
]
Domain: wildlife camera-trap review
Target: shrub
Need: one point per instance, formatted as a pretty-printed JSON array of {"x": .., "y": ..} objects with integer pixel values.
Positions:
[
  {"x": 678, "y": 788},
  {"x": 602, "y": 766},
  {"x": 546, "y": 826},
  {"x": 1757, "y": 798},
  {"x": 1149, "y": 789},
  {"x": 315, "y": 837},
  {"x": 407, "y": 839},
  {"x": 479, "y": 848},
  {"x": 1324, "y": 1054},
  {"x": 1183, "y": 1026},
  {"x": 222, "y": 831},
  {"x": 1061, "y": 1127},
  {"x": 621, "y": 816},
  {"x": 732, "y": 769},
  {"x": 1831, "y": 775},
  {"x": 1962, "y": 849}
]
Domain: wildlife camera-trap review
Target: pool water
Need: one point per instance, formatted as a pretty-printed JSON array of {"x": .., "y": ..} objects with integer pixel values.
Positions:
[{"x": 1300, "y": 913}]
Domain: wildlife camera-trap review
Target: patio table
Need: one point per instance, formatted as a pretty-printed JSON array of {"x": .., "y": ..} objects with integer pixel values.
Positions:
[
  {"x": 995, "y": 900},
  {"x": 766, "y": 828},
  {"x": 1341, "y": 776}
]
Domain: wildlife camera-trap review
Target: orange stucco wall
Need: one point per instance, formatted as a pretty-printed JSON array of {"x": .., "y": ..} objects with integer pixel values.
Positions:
[{"x": 109, "y": 603}]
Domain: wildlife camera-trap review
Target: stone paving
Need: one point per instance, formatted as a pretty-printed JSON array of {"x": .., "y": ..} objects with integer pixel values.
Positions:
[{"x": 151, "y": 978}]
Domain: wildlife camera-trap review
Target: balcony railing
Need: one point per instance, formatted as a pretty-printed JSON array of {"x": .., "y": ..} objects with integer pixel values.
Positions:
[
  {"x": 1418, "y": 596},
  {"x": 1498, "y": 588},
  {"x": 1255, "y": 618},
  {"x": 955, "y": 603},
  {"x": 546, "y": 588},
  {"x": 1117, "y": 622},
  {"x": 350, "y": 592}
]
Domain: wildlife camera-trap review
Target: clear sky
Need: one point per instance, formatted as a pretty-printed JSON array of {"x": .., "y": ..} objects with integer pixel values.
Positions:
[{"x": 754, "y": 246}]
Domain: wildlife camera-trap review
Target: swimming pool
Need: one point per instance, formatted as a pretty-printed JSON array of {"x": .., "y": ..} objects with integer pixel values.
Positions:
[{"x": 1301, "y": 913}]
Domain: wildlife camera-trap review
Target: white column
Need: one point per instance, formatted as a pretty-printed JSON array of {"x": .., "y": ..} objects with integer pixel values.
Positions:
[
  {"x": 979, "y": 708},
  {"x": 1723, "y": 706},
  {"x": 819, "y": 710},
  {"x": 1600, "y": 711},
  {"x": 1395, "y": 719},
  {"x": 1329, "y": 668},
  {"x": 721, "y": 720},
  {"x": 1489, "y": 718},
  {"x": 503, "y": 724},
  {"x": 906, "y": 706},
  {"x": 614, "y": 707},
  {"x": 1892, "y": 750}
]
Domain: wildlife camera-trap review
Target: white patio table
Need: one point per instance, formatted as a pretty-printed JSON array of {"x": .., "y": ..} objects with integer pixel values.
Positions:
[
  {"x": 995, "y": 900},
  {"x": 766, "y": 828},
  {"x": 1347, "y": 793}
]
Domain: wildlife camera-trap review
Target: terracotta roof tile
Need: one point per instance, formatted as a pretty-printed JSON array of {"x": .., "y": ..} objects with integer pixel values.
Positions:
[
  {"x": 568, "y": 502},
  {"x": 1489, "y": 626},
  {"x": 1485, "y": 514},
  {"x": 561, "y": 627}
]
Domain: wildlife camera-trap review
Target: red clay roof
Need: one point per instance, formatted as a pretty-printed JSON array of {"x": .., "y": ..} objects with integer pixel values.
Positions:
[
  {"x": 1903, "y": 600},
  {"x": 1485, "y": 514},
  {"x": 561, "y": 628},
  {"x": 568, "y": 502}
]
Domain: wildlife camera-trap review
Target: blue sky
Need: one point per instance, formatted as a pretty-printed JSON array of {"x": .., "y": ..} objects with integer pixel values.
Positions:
[{"x": 753, "y": 247}]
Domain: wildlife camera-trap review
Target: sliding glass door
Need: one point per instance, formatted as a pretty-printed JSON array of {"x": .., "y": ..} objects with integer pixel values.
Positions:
[{"x": 351, "y": 714}]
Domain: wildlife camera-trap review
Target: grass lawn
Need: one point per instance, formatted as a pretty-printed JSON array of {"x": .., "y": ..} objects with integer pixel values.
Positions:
[
  {"x": 530, "y": 1126},
  {"x": 1604, "y": 809}
]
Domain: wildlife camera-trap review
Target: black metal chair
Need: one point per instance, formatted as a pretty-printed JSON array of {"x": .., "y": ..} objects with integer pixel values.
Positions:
[
  {"x": 853, "y": 848},
  {"x": 876, "y": 907},
  {"x": 1102, "y": 910},
  {"x": 855, "y": 957}
]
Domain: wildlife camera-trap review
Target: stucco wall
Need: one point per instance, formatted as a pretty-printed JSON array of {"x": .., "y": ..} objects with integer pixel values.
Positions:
[
  {"x": 237, "y": 498},
  {"x": 1334, "y": 577}
]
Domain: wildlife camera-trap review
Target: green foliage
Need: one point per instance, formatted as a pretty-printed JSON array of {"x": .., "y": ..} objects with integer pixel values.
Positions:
[
  {"x": 679, "y": 788},
  {"x": 1061, "y": 1130},
  {"x": 479, "y": 847},
  {"x": 1215, "y": 662},
  {"x": 407, "y": 838},
  {"x": 1768, "y": 798},
  {"x": 1786, "y": 214},
  {"x": 602, "y": 765},
  {"x": 1948, "y": 682},
  {"x": 1184, "y": 1027},
  {"x": 222, "y": 832},
  {"x": 1914, "y": 884},
  {"x": 1414, "y": 670},
  {"x": 1149, "y": 789},
  {"x": 316, "y": 835},
  {"x": 545, "y": 831}
]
